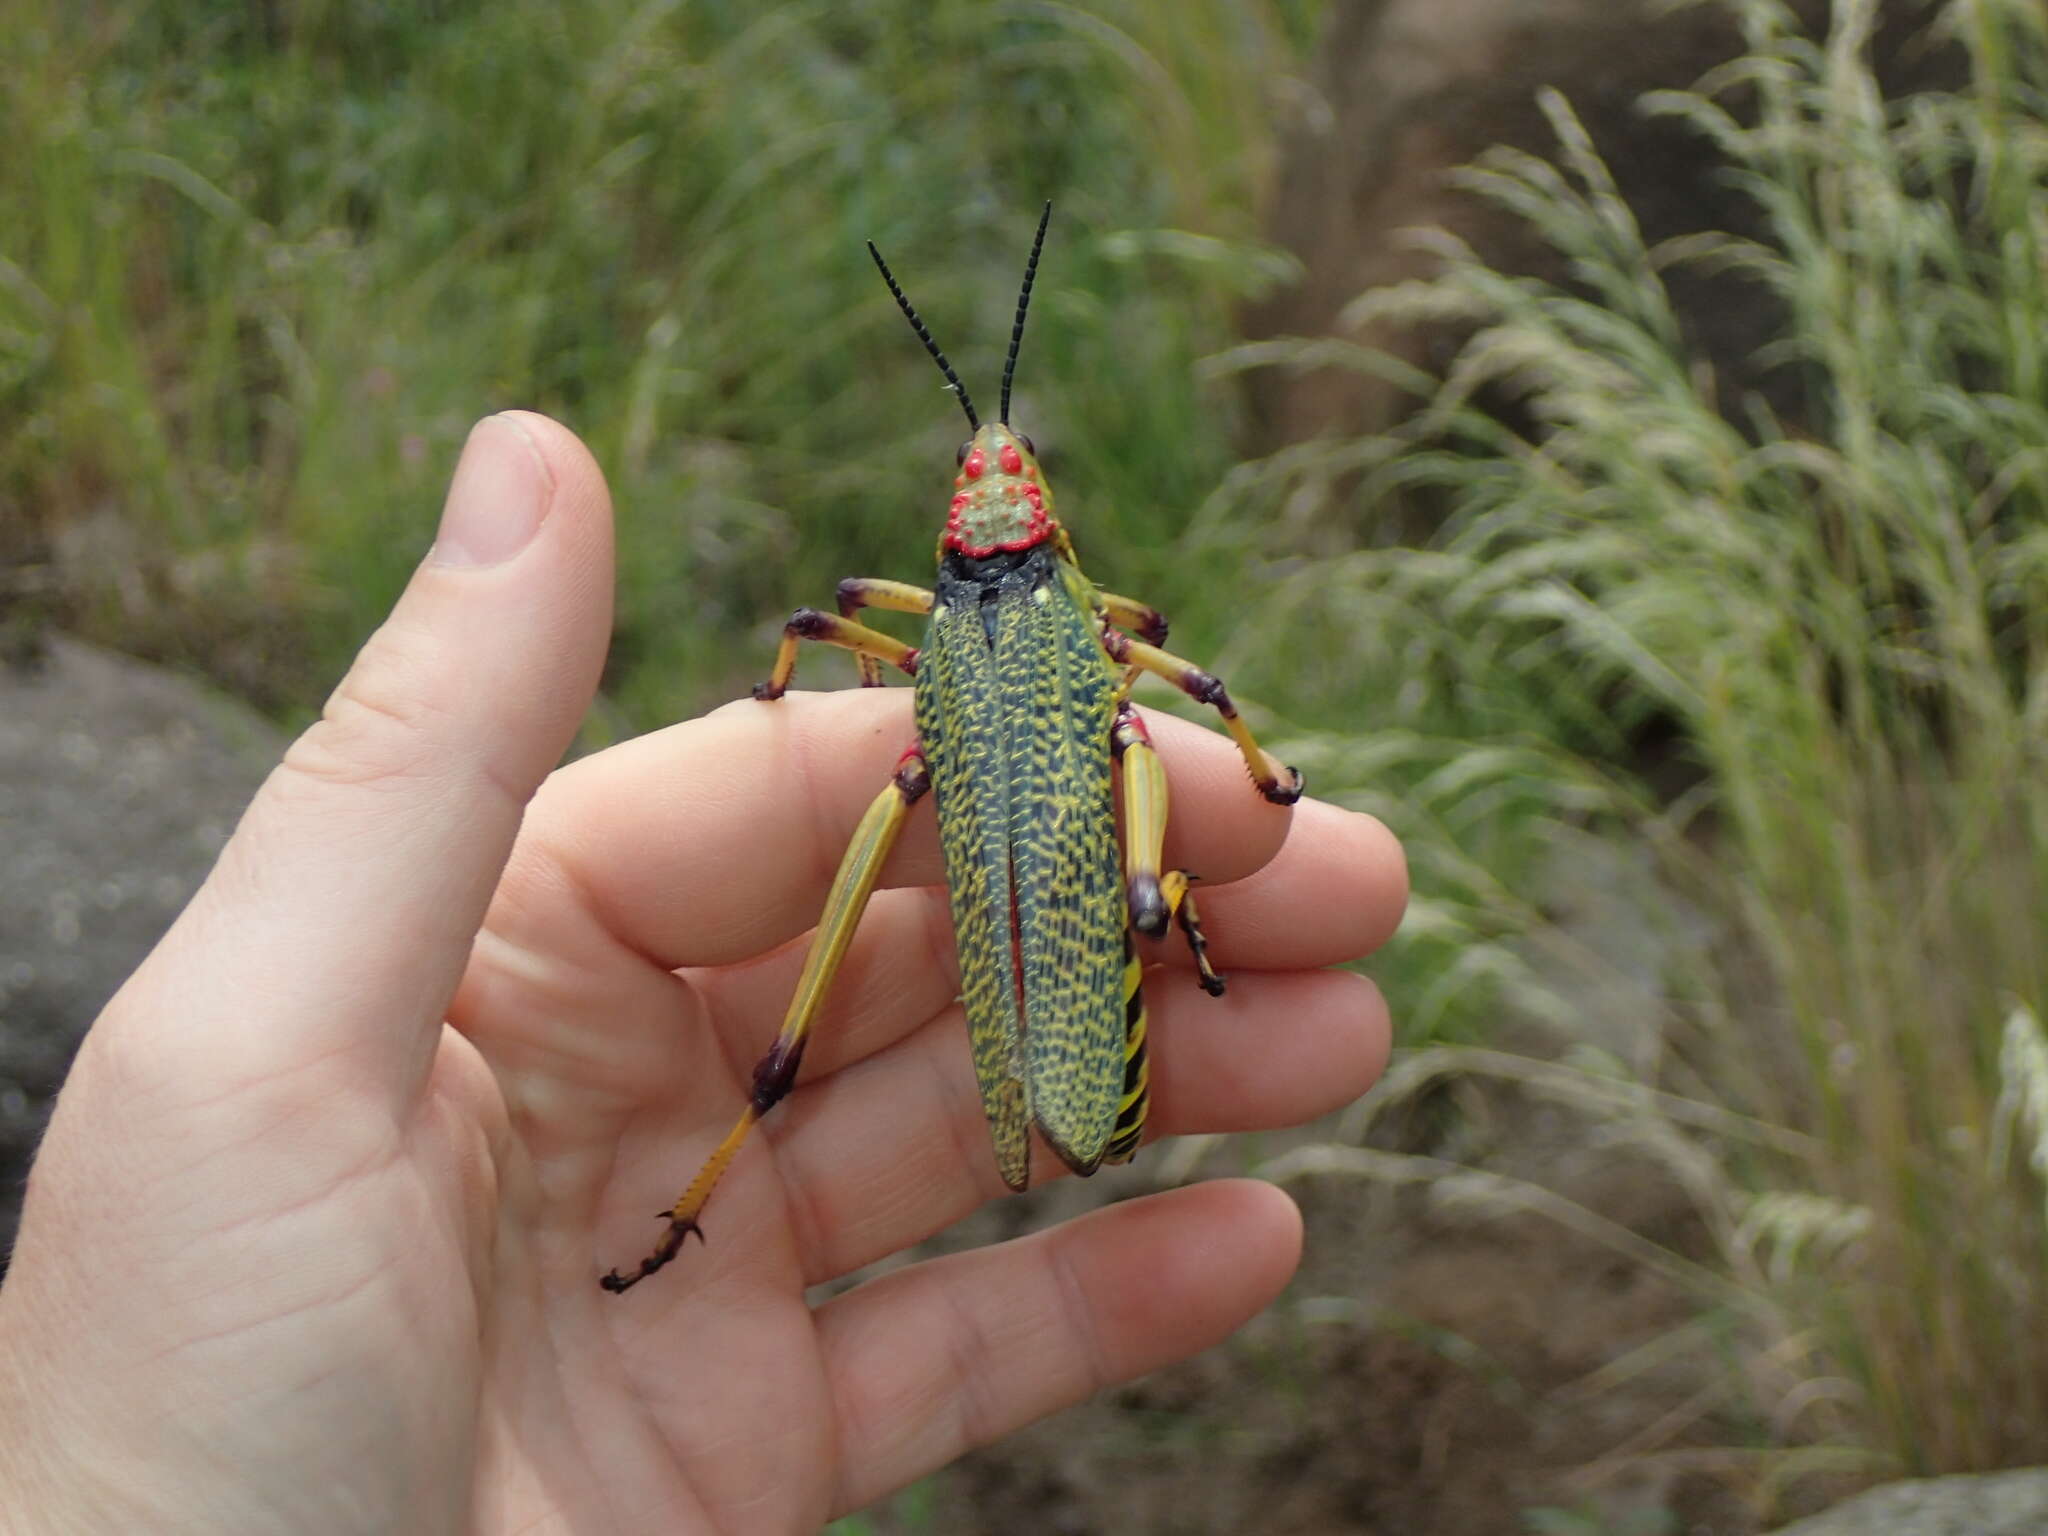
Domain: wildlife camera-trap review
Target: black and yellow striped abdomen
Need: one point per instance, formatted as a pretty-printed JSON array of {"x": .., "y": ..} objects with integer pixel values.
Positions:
[{"x": 1130, "y": 1109}]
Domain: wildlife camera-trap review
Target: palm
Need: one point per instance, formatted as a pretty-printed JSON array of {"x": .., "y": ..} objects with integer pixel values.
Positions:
[
  {"x": 718, "y": 1397},
  {"x": 407, "y": 1252}
]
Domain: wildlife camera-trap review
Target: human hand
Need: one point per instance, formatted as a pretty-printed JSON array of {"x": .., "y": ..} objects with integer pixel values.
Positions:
[{"x": 299, "y": 1255}]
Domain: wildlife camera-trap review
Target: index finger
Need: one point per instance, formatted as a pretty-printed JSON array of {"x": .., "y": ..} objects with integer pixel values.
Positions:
[{"x": 715, "y": 840}]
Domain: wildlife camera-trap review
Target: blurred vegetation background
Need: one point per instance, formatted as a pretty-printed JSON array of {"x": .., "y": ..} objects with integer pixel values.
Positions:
[
  {"x": 262, "y": 266},
  {"x": 266, "y": 265}
]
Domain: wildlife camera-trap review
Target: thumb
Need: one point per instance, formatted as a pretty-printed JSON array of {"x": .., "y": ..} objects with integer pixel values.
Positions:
[{"x": 339, "y": 917}]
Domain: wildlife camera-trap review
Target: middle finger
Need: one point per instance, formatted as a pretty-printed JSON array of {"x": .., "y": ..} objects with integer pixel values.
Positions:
[
  {"x": 1332, "y": 894},
  {"x": 894, "y": 1148}
]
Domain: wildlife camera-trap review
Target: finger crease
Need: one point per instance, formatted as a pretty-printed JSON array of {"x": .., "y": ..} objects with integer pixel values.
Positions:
[
  {"x": 800, "y": 1200},
  {"x": 970, "y": 1151},
  {"x": 938, "y": 933},
  {"x": 971, "y": 1360},
  {"x": 828, "y": 843},
  {"x": 1074, "y": 1297}
]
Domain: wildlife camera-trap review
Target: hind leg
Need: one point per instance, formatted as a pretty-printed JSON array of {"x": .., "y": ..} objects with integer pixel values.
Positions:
[{"x": 1156, "y": 898}]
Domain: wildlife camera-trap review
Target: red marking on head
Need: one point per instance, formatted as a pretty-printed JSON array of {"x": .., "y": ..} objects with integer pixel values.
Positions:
[
  {"x": 1036, "y": 532},
  {"x": 981, "y": 551},
  {"x": 1036, "y": 497},
  {"x": 1011, "y": 460},
  {"x": 973, "y": 465}
]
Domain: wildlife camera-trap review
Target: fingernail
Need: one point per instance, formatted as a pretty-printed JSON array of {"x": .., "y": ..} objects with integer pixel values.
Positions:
[{"x": 498, "y": 498}]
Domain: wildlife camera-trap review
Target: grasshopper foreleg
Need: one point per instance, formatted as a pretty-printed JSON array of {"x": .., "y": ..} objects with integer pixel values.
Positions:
[
  {"x": 1155, "y": 898},
  {"x": 775, "y": 1073},
  {"x": 858, "y": 592},
  {"x": 1141, "y": 619},
  {"x": 1206, "y": 688},
  {"x": 810, "y": 624}
]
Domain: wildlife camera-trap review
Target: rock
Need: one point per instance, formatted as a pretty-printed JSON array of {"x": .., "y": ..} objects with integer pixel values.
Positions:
[
  {"x": 1406, "y": 91},
  {"x": 119, "y": 782},
  {"x": 1992, "y": 1504}
]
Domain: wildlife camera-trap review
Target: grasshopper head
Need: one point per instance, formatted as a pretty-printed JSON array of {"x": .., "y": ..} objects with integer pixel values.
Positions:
[{"x": 1000, "y": 500}]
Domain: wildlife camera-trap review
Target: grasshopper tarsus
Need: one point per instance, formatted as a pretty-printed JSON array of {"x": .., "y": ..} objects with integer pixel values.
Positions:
[
  {"x": 767, "y": 693},
  {"x": 670, "y": 1245},
  {"x": 1286, "y": 794}
]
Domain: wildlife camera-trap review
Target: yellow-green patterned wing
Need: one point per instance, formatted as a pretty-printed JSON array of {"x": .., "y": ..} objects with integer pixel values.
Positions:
[
  {"x": 1015, "y": 701},
  {"x": 960, "y": 728},
  {"x": 1057, "y": 693}
]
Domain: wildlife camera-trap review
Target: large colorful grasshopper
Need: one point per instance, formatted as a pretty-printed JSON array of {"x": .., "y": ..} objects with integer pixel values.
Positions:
[{"x": 1022, "y": 708}]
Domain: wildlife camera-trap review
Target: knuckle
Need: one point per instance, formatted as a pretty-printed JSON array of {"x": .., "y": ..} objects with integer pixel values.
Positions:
[{"x": 377, "y": 730}]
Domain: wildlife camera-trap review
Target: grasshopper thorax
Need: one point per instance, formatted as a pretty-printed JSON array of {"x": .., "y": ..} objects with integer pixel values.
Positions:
[{"x": 1000, "y": 499}]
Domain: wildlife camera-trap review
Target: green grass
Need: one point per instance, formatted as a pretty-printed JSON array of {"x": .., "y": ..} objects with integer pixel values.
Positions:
[
  {"x": 907, "y": 1513},
  {"x": 1841, "y": 618},
  {"x": 260, "y": 276}
]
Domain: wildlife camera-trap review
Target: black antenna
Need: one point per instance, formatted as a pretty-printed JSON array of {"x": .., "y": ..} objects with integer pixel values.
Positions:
[
  {"x": 1023, "y": 303},
  {"x": 925, "y": 336}
]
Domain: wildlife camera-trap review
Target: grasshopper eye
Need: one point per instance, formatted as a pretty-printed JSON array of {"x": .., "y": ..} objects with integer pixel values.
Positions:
[
  {"x": 961, "y": 456},
  {"x": 1029, "y": 446}
]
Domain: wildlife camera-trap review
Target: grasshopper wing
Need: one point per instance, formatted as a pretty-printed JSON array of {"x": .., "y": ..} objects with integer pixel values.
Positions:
[
  {"x": 959, "y": 725},
  {"x": 1057, "y": 696}
]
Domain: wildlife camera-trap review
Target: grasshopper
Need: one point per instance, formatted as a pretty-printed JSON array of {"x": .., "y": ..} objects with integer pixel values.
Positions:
[{"x": 1023, "y": 719}]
